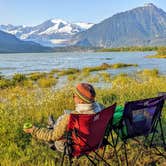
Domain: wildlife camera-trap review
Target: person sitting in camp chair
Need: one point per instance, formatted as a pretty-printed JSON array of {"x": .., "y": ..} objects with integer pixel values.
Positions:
[{"x": 84, "y": 98}]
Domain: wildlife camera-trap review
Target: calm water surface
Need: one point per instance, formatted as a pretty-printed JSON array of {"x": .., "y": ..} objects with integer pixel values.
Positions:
[{"x": 32, "y": 62}]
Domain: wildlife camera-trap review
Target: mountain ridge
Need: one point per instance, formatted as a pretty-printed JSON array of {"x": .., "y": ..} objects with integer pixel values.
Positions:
[
  {"x": 52, "y": 32},
  {"x": 10, "y": 44},
  {"x": 141, "y": 26}
]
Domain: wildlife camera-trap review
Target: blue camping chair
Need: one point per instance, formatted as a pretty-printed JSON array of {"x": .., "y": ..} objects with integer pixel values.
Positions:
[{"x": 141, "y": 118}]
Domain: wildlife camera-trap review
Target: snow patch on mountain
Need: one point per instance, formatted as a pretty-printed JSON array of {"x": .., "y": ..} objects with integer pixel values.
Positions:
[
  {"x": 84, "y": 25},
  {"x": 53, "y": 32},
  {"x": 26, "y": 35},
  {"x": 58, "y": 21}
]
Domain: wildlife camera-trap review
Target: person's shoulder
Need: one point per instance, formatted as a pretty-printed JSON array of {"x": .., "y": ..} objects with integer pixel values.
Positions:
[
  {"x": 63, "y": 117},
  {"x": 74, "y": 112},
  {"x": 100, "y": 105}
]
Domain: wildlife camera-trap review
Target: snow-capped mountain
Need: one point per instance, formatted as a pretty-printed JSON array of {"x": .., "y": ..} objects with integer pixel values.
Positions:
[{"x": 53, "y": 32}]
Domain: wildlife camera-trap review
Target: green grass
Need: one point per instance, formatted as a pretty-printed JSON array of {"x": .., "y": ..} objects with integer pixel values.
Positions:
[
  {"x": 48, "y": 82},
  {"x": 106, "y": 66},
  {"x": 134, "y": 48},
  {"x": 20, "y": 104},
  {"x": 148, "y": 72},
  {"x": 44, "y": 80},
  {"x": 37, "y": 75},
  {"x": 5, "y": 83},
  {"x": 161, "y": 53},
  {"x": 18, "y": 78},
  {"x": 68, "y": 71},
  {"x": 105, "y": 76},
  {"x": 156, "y": 56},
  {"x": 121, "y": 65},
  {"x": 72, "y": 77},
  {"x": 93, "y": 79}
]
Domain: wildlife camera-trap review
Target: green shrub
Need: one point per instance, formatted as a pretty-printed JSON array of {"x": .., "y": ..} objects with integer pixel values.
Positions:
[
  {"x": 53, "y": 71},
  {"x": 93, "y": 79},
  {"x": 85, "y": 73},
  {"x": 72, "y": 77},
  {"x": 105, "y": 76},
  {"x": 18, "y": 78},
  {"x": 149, "y": 72},
  {"x": 28, "y": 83},
  {"x": 133, "y": 48},
  {"x": 1, "y": 77},
  {"x": 5, "y": 83},
  {"x": 36, "y": 76},
  {"x": 156, "y": 56},
  {"x": 161, "y": 51},
  {"x": 106, "y": 66},
  {"x": 68, "y": 71},
  {"x": 120, "y": 65},
  {"x": 46, "y": 82},
  {"x": 95, "y": 68},
  {"x": 108, "y": 99}
]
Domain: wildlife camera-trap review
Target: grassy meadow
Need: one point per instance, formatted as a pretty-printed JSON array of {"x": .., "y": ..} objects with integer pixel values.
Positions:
[
  {"x": 33, "y": 97},
  {"x": 161, "y": 53}
]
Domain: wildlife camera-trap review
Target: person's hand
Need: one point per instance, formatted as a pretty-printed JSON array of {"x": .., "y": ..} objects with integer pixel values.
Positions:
[{"x": 29, "y": 130}]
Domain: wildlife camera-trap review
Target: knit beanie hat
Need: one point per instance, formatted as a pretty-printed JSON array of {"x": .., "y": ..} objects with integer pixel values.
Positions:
[{"x": 86, "y": 92}]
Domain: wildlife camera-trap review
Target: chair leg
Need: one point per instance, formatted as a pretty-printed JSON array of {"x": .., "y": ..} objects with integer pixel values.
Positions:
[
  {"x": 106, "y": 139},
  {"x": 69, "y": 156},
  {"x": 155, "y": 126},
  {"x": 102, "y": 159},
  {"x": 162, "y": 134},
  {"x": 70, "y": 161},
  {"x": 94, "y": 158},
  {"x": 162, "y": 137},
  {"x": 114, "y": 146},
  {"x": 103, "y": 152},
  {"x": 125, "y": 153},
  {"x": 91, "y": 160},
  {"x": 63, "y": 156}
]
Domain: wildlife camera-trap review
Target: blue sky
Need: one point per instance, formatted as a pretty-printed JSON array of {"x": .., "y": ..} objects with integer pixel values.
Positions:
[{"x": 33, "y": 12}]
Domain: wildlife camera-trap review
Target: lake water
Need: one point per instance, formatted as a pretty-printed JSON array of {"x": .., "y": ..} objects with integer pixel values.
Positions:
[{"x": 32, "y": 62}]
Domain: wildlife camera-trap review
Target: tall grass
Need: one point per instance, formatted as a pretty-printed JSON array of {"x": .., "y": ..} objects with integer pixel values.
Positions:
[
  {"x": 20, "y": 104},
  {"x": 106, "y": 66}
]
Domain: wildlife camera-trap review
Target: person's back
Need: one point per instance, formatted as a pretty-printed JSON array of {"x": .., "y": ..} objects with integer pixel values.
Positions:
[{"x": 84, "y": 98}]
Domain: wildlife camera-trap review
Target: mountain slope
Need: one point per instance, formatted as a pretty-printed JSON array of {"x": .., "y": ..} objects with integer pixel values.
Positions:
[
  {"x": 9, "y": 43},
  {"x": 53, "y": 32},
  {"x": 141, "y": 26}
]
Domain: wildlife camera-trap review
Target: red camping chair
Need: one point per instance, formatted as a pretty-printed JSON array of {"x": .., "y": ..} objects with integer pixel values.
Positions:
[
  {"x": 85, "y": 134},
  {"x": 142, "y": 118}
]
